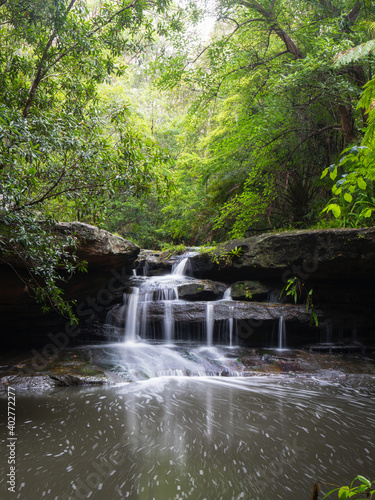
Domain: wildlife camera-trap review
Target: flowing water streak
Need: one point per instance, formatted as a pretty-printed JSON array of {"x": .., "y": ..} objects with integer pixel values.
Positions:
[
  {"x": 180, "y": 268},
  {"x": 131, "y": 325},
  {"x": 230, "y": 321},
  {"x": 168, "y": 321},
  {"x": 228, "y": 294},
  {"x": 210, "y": 323},
  {"x": 282, "y": 333}
]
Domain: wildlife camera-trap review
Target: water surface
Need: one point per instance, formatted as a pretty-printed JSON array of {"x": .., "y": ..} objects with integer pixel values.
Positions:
[{"x": 193, "y": 437}]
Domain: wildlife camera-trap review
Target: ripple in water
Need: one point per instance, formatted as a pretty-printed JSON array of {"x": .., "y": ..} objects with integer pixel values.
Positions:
[{"x": 187, "y": 437}]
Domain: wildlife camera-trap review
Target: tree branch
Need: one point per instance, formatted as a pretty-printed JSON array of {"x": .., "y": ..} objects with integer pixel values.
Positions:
[
  {"x": 239, "y": 26},
  {"x": 39, "y": 73},
  {"x": 317, "y": 132},
  {"x": 271, "y": 19},
  {"x": 250, "y": 65}
]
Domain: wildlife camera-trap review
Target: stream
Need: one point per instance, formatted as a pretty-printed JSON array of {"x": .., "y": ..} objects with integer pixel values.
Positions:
[
  {"x": 183, "y": 421},
  {"x": 194, "y": 437}
]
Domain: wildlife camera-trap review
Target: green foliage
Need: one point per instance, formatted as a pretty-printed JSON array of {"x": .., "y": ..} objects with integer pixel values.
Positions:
[
  {"x": 65, "y": 151},
  {"x": 354, "y": 176},
  {"x": 28, "y": 242},
  {"x": 365, "y": 490},
  {"x": 170, "y": 249},
  {"x": 226, "y": 258},
  {"x": 355, "y": 54},
  {"x": 276, "y": 101}
]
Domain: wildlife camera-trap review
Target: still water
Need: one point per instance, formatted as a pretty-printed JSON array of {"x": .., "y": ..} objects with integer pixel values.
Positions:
[{"x": 193, "y": 437}]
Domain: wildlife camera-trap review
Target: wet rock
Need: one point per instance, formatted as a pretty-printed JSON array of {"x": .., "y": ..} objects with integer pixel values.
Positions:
[
  {"x": 150, "y": 262},
  {"x": 68, "y": 380},
  {"x": 222, "y": 310},
  {"x": 26, "y": 383}
]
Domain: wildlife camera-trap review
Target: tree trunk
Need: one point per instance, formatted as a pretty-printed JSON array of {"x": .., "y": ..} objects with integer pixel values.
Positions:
[{"x": 347, "y": 123}]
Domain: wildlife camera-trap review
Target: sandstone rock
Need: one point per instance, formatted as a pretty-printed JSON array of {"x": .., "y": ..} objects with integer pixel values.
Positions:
[
  {"x": 99, "y": 247},
  {"x": 323, "y": 254},
  {"x": 196, "y": 312}
]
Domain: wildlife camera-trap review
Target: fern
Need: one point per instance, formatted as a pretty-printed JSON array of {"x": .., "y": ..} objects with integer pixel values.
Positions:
[{"x": 355, "y": 54}]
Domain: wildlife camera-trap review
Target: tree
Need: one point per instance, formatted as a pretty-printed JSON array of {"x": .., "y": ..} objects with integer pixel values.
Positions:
[
  {"x": 61, "y": 152},
  {"x": 277, "y": 108}
]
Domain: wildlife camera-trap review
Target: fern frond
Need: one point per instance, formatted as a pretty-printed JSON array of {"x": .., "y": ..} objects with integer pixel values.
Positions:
[{"x": 355, "y": 54}]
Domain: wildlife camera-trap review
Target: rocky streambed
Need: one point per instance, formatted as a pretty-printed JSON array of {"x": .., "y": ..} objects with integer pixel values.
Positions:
[{"x": 108, "y": 364}]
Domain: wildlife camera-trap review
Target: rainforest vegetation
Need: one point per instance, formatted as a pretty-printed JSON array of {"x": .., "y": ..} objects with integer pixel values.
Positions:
[{"x": 182, "y": 121}]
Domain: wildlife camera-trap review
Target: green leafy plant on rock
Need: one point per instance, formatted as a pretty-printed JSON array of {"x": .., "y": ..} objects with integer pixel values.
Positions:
[{"x": 225, "y": 259}]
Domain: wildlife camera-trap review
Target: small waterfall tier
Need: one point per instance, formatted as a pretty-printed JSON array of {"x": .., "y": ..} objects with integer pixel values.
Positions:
[
  {"x": 182, "y": 267},
  {"x": 164, "y": 334},
  {"x": 175, "y": 309}
]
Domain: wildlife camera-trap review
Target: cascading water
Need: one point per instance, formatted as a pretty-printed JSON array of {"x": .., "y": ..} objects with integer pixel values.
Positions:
[
  {"x": 131, "y": 325},
  {"x": 164, "y": 340},
  {"x": 230, "y": 321},
  {"x": 180, "y": 268},
  {"x": 168, "y": 322},
  {"x": 281, "y": 333},
  {"x": 210, "y": 323}
]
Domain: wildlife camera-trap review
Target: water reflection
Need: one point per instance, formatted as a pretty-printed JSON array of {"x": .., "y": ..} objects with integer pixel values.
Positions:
[{"x": 200, "y": 438}]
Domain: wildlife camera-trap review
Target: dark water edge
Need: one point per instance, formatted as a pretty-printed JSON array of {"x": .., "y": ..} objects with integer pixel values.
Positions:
[{"x": 193, "y": 437}]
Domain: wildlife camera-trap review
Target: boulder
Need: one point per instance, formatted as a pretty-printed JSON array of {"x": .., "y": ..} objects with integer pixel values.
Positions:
[
  {"x": 99, "y": 247},
  {"x": 322, "y": 254}
]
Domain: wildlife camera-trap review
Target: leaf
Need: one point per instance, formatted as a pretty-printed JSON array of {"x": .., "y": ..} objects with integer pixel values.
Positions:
[
  {"x": 343, "y": 493},
  {"x": 324, "y": 173},
  {"x": 356, "y": 53},
  {"x": 333, "y": 174},
  {"x": 334, "y": 208},
  {"x": 361, "y": 183},
  {"x": 364, "y": 480},
  {"x": 348, "y": 197},
  {"x": 367, "y": 213},
  {"x": 330, "y": 493}
]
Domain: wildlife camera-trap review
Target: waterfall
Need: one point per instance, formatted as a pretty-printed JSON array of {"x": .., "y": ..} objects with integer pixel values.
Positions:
[
  {"x": 230, "y": 321},
  {"x": 180, "y": 268},
  {"x": 131, "y": 318},
  {"x": 168, "y": 321},
  {"x": 210, "y": 323},
  {"x": 228, "y": 294},
  {"x": 282, "y": 333}
]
